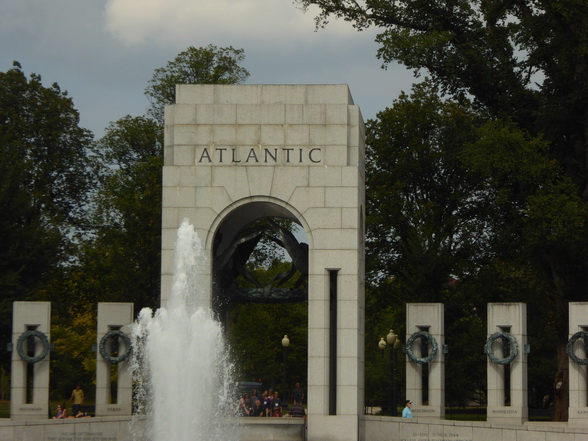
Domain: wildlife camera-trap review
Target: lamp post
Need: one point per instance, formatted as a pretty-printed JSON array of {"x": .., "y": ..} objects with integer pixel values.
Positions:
[
  {"x": 393, "y": 342},
  {"x": 285, "y": 344}
]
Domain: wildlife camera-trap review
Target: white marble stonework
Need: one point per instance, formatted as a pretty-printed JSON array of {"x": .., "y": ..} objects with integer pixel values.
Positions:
[
  {"x": 34, "y": 316},
  {"x": 427, "y": 317},
  {"x": 578, "y": 373},
  {"x": 235, "y": 153},
  {"x": 512, "y": 318},
  {"x": 112, "y": 317}
]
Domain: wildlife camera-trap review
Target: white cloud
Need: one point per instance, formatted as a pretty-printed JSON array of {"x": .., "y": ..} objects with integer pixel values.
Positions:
[
  {"x": 104, "y": 51},
  {"x": 177, "y": 22}
]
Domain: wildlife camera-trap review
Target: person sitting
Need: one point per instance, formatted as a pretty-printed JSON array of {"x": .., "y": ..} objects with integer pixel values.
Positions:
[
  {"x": 243, "y": 409},
  {"x": 248, "y": 402},
  {"x": 297, "y": 411},
  {"x": 406, "y": 412},
  {"x": 276, "y": 405},
  {"x": 61, "y": 412},
  {"x": 257, "y": 410}
]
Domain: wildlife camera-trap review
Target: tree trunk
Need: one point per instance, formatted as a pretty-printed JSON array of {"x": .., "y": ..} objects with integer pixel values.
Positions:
[{"x": 560, "y": 385}]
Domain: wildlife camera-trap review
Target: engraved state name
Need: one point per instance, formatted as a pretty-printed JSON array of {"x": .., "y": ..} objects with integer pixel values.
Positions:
[{"x": 259, "y": 155}]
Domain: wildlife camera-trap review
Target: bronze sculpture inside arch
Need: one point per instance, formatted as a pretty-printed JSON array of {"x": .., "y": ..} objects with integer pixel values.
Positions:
[{"x": 231, "y": 263}]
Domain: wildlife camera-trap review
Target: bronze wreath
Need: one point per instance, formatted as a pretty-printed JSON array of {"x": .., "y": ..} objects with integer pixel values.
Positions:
[
  {"x": 432, "y": 343},
  {"x": 22, "y": 340},
  {"x": 570, "y": 347},
  {"x": 514, "y": 347},
  {"x": 110, "y": 335}
]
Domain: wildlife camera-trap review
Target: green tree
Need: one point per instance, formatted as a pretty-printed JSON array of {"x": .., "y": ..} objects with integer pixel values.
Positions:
[
  {"x": 126, "y": 246},
  {"x": 456, "y": 199},
  {"x": 45, "y": 173},
  {"x": 39, "y": 126},
  {"x": 120, "y": 260},
  {"x": 203, "y": 65},
  {"x": 255, "y": 331},
  {"x": 428, "y": 223},
  {"x": 29, "y": 248},
  {"x": 523, "y": 62},
  {"x": 426, "y": 213}
]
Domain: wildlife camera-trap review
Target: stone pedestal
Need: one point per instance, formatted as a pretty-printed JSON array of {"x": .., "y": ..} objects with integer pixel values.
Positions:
[
  {"x": 30, "y": 380},
  {"x": 113, "y": 400},
  {"x": 578, "y": 373},
  {"x": 429, "y": 403},
  {"x": 507, "y": 383}
]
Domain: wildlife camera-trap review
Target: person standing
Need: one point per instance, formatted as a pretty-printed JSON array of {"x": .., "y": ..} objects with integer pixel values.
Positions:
[
  {"x": 78, "y": 399},
  {"x": 406, "y": 412},
  {"x": 276, "y": 405},
  {"x": 297, "y": 394}
]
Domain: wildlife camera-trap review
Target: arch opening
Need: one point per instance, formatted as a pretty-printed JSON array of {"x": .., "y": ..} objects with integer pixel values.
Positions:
[{"x": 260, "y": 292}]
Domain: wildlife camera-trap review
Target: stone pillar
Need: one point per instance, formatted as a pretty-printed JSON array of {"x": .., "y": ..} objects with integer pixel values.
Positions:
[
  {"x": 238, "y": 153},
  {"x": 507, "y": 382},
  {"x": 429, "y": 403},
  {"x": 30, "y": 379},
  {"x": 113, "y": 399},
  {"x": 578, "y": 373}
]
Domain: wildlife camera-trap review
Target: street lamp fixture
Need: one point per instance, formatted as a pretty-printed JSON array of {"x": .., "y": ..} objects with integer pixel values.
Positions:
[
  {"x": 382, "y": 344},
  {"x": 393, "y": 342},
  {"x": 391, "y": 338},
  {"x": 285, "y": 344}
]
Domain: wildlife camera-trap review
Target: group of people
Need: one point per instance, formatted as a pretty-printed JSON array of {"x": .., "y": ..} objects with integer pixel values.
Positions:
[
  {"x": 62, "y": 413},
  {"x": 78, "y": 399},
  {"x": 269, "y": 404}
]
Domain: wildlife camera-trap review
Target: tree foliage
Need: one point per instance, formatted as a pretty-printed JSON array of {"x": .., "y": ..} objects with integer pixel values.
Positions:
[
  {"x": 126, "y": 246},
  {"x": 255, "y": 331},
  {"x": 429, "y": 226},
  {"x": 124, "y": 251},
  {"x": 426, "y": 213},
  {"x": 119, "y": 260},
  {"x": 45, "y": 174},
  {"x": 39, "y": 129},
  {"x": 203, "y": 65},
  {"x": 459, "y": 207},
  {"x": 525, "y": 63}
]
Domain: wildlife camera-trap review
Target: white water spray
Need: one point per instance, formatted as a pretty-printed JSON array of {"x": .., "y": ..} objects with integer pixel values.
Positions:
[{"x": 180, "y": 366}]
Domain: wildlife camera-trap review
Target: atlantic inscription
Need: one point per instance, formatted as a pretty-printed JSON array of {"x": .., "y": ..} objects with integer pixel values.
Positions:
[{"x": 259, "y": 155}]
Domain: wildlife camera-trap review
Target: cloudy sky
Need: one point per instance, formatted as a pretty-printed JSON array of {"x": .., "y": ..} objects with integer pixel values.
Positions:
[{"x": 103, "y": 52}]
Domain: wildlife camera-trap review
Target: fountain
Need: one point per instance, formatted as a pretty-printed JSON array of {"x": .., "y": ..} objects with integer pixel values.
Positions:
[{"x": 180, "y": 366}]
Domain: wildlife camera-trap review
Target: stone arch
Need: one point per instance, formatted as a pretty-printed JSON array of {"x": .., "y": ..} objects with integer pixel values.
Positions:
[
  {"x": 256, "y": 207},
  {"x": 296, "y": 150},
  {"x": 225, "y": 234}
]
